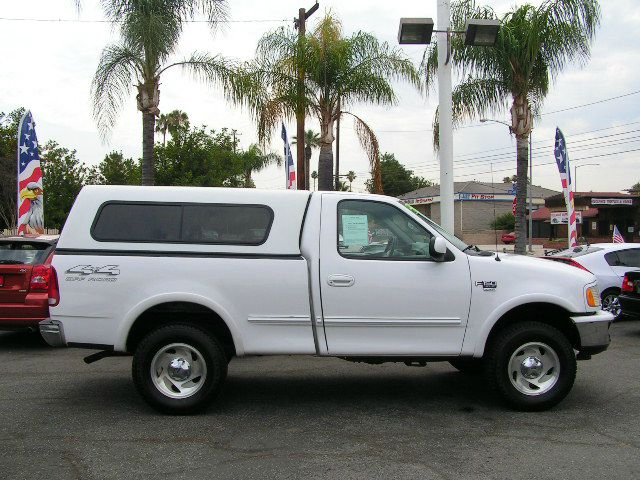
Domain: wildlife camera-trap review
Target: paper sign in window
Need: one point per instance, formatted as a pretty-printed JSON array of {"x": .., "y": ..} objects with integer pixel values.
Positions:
[{"x": 355, "y": 230}]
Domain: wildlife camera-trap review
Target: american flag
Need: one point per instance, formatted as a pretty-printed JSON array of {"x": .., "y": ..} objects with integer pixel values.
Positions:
[
  {"x": 617, "y": 236},
  {"x": 562, "y": 159},
  {"x": 288, "y": 162},
  {"x": 30, "y": 201}
]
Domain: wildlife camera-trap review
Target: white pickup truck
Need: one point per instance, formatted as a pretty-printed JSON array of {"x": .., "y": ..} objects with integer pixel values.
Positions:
[{"x": 185, "y": 279}]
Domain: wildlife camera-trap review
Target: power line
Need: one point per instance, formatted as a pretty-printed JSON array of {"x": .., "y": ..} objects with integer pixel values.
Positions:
[{"x": 78, "y": 20}]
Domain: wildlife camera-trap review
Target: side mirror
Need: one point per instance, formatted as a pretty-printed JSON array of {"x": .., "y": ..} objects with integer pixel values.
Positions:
[{"x": 437, "y": 248}]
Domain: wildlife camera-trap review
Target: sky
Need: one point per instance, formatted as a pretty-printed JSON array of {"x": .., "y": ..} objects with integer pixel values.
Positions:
[{"x": 49, "y": 65}]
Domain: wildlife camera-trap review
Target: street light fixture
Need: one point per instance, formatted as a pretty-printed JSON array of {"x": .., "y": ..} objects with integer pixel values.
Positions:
[
  {"x": 418, "y": 31},
  {"x": 575, "y": 174}
]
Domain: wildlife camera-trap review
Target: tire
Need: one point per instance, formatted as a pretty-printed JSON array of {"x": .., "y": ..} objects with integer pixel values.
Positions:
[
  {"x": 550, "y": 362},
  {"x": 471, "y": 366},
  {"x": 179, "y": 369},
  {"x": 610, "y": 302}
]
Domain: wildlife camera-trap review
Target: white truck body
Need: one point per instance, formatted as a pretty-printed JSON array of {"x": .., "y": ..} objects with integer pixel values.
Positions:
[{"x": 297, "y": 292}]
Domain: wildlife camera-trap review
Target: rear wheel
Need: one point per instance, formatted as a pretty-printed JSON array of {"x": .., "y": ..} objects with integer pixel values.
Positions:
[
  {"x": 532, "y": 365},
  {"x": 179, "y": 369},
  {"x": 610, "y": 302}
]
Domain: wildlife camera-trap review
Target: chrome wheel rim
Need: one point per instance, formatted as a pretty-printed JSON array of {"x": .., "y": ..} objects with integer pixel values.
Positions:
[
  {"x": 611, "y": 304},
  {"x": 178, "y": 370},
  {"x": 534, "y": 368}
]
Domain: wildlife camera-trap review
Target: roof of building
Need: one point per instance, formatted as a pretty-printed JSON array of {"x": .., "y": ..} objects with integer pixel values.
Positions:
[{"x": 476, "y": 187}]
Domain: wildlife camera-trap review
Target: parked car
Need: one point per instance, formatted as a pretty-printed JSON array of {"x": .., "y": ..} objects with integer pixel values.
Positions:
[
  {"x": 608, "y": 262},
  {"x": 25, "y": 274},
  {"x": 508, "y": 238},
  {"x": 139, "y": 273},
  {"x": 629, "y": 298}
]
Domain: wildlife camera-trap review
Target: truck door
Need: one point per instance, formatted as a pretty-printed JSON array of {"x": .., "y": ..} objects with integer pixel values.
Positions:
[{"x": 382, "y": 294}]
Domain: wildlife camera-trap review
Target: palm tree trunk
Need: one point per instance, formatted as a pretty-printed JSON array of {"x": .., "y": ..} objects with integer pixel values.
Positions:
[
  {"x": 325, "y": 167},
  {"x": 148, "y": 167},
  {"x": 522, "y": 143},
  {"x": 338, "y": 151},
  {"x": 307, "y": 165}
]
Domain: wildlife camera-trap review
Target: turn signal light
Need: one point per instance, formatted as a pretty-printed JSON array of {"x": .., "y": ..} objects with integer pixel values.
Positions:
[
  {"x": 593, "y": 298},
  {"x": 40, "y": 276},
  {"x": 627, "y": 285},
  {"x": 54, "y": 292}
]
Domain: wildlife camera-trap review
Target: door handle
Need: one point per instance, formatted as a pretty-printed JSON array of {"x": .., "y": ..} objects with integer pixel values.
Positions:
[{"x": 337, "y": 280}]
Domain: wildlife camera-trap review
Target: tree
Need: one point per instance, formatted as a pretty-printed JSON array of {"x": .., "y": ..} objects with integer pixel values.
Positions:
[
  {"x": 505, "y": 221},
  {"x": 9, "y": 167},
  {"x": 351, "y": 176},
  {"x": 253, "y": 160},
  {"x": 63, "y": 176},
  {"x": 635, "y": 188},
  {"x": 534, "y": 45},
  {"x": 511, "y": 179},
  {"x": 202, "y": 159},
  {"x": 115, "y": 170},
  {"x": 311, "y": 141},
  {"x": 149, "y": 35},
  {"x": 338, "y": 73},
  {"x": 314, "y": 176},
  {"x": 177, "y": 124},
  {"x": 396, "y": 179}
]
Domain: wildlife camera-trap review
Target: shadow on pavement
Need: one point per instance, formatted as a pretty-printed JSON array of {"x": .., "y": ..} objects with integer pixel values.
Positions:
[{"x": 22, "y": 340}]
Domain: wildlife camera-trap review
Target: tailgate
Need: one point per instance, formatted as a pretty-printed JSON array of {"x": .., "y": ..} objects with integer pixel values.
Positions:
[{"x": 14, "y": 283}]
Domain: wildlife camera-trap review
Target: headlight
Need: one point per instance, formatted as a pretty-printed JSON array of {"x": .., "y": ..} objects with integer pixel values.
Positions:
[{"x": 593, "y": 296}]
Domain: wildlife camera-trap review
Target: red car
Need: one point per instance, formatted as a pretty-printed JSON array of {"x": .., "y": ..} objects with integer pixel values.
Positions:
[
  {"x": 25, "y": 275},
  {"x": 508, "y": 238}
]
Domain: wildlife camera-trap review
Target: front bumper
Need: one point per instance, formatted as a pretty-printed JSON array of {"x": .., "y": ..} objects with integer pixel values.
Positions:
[
  {"x": 594, "y": 331},
  {"x": 52, "y": 332}
]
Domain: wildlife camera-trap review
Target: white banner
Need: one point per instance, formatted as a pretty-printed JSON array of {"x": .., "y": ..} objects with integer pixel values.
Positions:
[
  {"x": 612, "y": 201},
  {"x": 561, "y": 218}
]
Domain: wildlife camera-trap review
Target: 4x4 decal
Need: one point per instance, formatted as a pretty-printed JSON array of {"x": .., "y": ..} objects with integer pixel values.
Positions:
[{"x": 104, "y": 273}]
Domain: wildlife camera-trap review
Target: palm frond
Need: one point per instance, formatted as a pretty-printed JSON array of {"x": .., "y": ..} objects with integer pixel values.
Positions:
[
  {"x": 369, "y": 143},
  {"x": 117, "y": 68}
]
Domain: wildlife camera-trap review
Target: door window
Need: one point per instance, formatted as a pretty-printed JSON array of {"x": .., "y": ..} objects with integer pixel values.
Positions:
[{"x": 376, "y": 230}]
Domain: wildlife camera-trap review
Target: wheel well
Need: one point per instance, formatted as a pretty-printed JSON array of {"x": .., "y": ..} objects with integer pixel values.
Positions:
[
  {"x": 181, "y": 312},
  {"x": 548, "y": 313},
  {"x": 610, "y": 290}
]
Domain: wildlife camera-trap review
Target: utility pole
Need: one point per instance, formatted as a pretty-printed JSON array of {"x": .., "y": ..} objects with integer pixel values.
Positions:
[
  {"x": 530, "y": 190},
  {"x": 445, "y": 111},
  {"x": 301, "y": 174}
]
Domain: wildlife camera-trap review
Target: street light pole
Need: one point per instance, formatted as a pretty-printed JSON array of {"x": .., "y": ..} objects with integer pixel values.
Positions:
[
  {"x": 530, "y": 190},
  {"x": 445, "y": 112}
]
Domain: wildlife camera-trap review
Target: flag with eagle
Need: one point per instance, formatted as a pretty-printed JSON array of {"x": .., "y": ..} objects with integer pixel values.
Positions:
[{"x": 30, "y": 193}]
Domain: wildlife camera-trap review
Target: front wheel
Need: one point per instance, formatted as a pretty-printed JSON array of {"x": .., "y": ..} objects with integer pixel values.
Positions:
[
  {"x": 532, "y": 365},
  {"x": 179, "y": 369},
  {"x": 611, "y": 304}
]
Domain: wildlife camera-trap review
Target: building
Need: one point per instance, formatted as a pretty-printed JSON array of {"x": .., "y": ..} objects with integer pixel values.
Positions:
[
  {"x": 597, "y": 213},
  {"x": 476, "y": 206}
]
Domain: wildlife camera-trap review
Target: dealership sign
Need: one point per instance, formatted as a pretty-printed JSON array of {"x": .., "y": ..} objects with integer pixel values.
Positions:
[
  {"x": 476, "y": 197},
  {"x": 561, "y": 218},
  {"x": 612, "y": 201}
]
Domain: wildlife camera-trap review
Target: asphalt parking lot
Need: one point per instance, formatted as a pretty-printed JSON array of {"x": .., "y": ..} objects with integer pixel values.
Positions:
[{"x": 301, "y": 417}]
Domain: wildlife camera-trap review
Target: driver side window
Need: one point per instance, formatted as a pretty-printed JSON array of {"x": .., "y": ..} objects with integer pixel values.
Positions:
[{"x": 376, "y": 230}]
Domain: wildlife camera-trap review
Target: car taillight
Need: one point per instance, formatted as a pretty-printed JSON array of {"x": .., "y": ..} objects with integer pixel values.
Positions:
[
  {"x": 54, "y": 291},
  {"x": 40, "y": 278},
  {"x": 627, "y": 285}
]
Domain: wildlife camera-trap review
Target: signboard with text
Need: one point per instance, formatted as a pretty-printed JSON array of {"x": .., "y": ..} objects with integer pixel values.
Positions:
[
  {"x": 561, "y": 218},
  {"x": 612, "y": 201}
]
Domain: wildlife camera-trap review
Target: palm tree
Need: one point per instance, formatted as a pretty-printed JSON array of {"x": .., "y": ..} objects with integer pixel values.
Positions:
[
  {"x": 314, "y": 176},
  {"x": 162, "y": 124},
  {"x": 338, "y": 73},
  {"x": 177, "y": 124},
  {"x": 311, "y": 141},
  {"x": 149, "y": 35},
  {"x": 351, "y": 176},
  {"x": 253, "y": 160},
  {"x": 534, "y": 45}
]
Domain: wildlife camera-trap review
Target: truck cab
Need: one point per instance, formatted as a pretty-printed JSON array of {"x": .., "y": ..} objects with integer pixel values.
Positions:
[{"x": 185, "y": 279}]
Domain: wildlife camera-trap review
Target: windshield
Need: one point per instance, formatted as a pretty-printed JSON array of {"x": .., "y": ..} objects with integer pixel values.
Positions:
[
  {"x": 23, "y": 253},
  {"x": 459, "y": 244}
]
